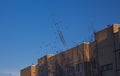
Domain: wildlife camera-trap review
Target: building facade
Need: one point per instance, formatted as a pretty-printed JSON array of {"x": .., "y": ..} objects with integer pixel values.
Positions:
[
  {"x": 73, "y": 62},
  {"x": 28, "y": 71},
  {"x": 98, "y": 58},
  {"x": 107, "y": 50}
]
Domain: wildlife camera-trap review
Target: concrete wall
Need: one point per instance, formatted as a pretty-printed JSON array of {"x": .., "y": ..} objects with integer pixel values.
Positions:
[
  {"x": 28, "y": 71},
  {"x": 105, "y": 42},
  {"x": 73, "y": 62},
  {"x": 42, "y": 66}
]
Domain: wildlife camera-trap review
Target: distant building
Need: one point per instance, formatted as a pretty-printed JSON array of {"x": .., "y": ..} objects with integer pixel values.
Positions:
[
  {"x": 98, "y": 58},
  {"x": 28, "y": 71}
]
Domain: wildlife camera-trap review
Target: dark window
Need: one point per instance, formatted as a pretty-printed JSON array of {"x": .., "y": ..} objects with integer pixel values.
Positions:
[
  {"x": 106, "y": 67},
  {"x": 68, "y": 69},
  {"x": 109, "y": 67},
  {"x": 79, "y": 67},
  {"x": 103, "y": 68},
  {"x": 94, "y": 63}
]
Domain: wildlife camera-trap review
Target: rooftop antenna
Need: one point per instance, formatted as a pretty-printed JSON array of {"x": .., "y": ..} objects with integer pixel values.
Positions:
[
  {"x": 60, "y": 34},
  {"x": 57, "y": 24}
]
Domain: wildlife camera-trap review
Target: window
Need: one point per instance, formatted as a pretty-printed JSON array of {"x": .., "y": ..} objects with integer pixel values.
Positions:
[
  {"x": 106, "y": 67},
  {"x": 94, "y": 63},
  {"x": 79, "y": 67},
  {"x": 103, "y": 68},
  {"x": 109, "y": 66},
  {"x": 68, "y": 69}
]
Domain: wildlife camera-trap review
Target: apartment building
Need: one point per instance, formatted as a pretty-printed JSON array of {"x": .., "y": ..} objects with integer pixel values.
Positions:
[{"x": 98, "y": 58}]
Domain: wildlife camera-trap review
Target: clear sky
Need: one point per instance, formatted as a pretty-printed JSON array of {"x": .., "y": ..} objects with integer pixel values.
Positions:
[{"x": 27, "y": 29}]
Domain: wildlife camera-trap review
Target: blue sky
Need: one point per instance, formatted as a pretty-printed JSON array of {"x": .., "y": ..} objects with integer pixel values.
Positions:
[{"x": 27, "y": 29}]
